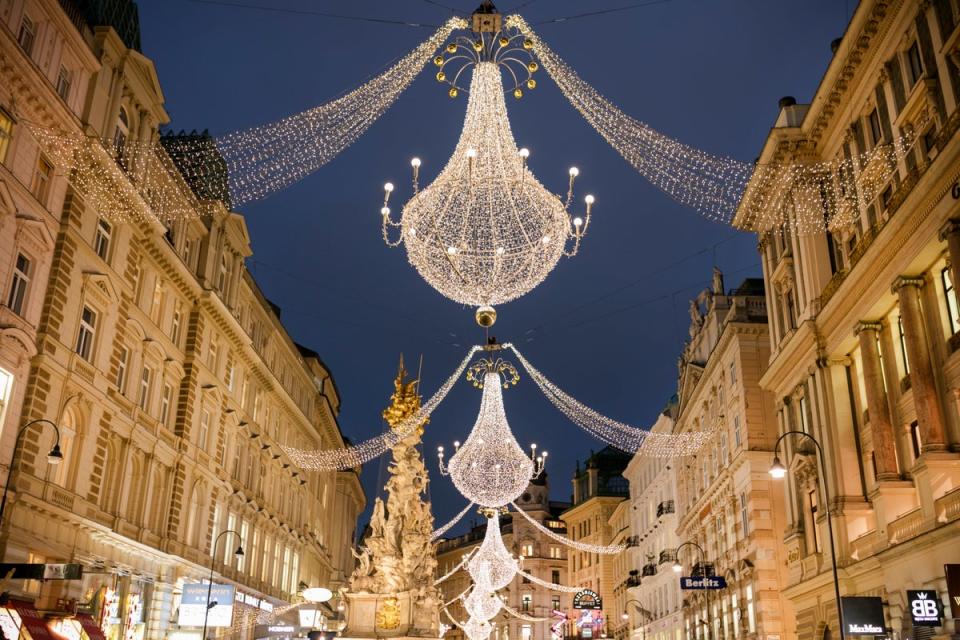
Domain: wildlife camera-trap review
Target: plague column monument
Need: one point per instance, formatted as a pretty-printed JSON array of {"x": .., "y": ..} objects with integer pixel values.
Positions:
[{"x": 391, "y": 592}]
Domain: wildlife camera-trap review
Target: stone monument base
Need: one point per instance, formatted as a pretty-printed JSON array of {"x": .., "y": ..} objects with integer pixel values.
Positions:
[{"x": 373, "y": 615}]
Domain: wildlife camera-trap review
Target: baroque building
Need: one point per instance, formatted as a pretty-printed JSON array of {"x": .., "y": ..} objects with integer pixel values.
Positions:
[
  {"x": 171, "y": 377},
  {"x": 543, "y": 558},
  {"x": 598, "y": 490},
  {"x": 653, "y": 600},
  {"x": 727, "y": 503},
  {"x": 864, "y": 321}
]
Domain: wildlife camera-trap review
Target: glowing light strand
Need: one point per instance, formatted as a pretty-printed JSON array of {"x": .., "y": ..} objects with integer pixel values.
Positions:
[
  {"x": 802, "y": 196},
  {"x": 350, "y": 457},
  {"x": 442, "y": 530},
  {"x": 548, "y": 585},
  {"x": 617, "y": 434},
  {"x": 460, "y": 565},
  {"x": 522, "y": 616},
  {"x": 580, "y": 546}
]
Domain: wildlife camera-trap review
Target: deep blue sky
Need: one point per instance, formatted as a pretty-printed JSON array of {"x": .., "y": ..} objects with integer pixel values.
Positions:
[{"x": 708, "y": 72}]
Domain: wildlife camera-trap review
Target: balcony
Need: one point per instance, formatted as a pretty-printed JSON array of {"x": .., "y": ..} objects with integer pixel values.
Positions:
[
  {"x": 649, "y": 569},
  {"x": 947, "y": 506},
  {"x": 668, "y": 555},
  {"x": 703, "y": 569},
  {"x": 664, "y": 508},
  {"x": 906, "y": 526}
]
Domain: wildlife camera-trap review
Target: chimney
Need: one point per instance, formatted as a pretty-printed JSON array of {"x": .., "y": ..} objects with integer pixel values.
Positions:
[{"x": 791, "y": 113}]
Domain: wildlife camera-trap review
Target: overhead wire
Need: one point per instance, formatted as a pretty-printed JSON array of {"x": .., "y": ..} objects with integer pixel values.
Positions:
[
  {"x": 310, "y": 12},
  {"x": 599, "y": 12}
]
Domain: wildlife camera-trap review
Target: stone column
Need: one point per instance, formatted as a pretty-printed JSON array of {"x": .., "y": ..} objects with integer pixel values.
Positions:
[
  {"x": 881, "y": 428},
  {"x": 926, "y": 403}
]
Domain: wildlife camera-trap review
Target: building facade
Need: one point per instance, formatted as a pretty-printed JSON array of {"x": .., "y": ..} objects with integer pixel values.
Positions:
[
  {"x": 864, "y": 320},
  {"x": 543, "y": 558},
  {"x": 174, "y": 384},
  {"x": 653, "y": 605},
  {"x": 598, "y": 489},
  {"x": 727, "y": 502}
]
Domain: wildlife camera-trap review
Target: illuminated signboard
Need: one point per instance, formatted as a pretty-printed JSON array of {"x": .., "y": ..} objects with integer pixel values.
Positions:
[
  {"x": 587, "y": 599},
  {"x": 193, "y": 605},
  {"x": 863, "y": 616},
  {"x": 924, "y": 608}
]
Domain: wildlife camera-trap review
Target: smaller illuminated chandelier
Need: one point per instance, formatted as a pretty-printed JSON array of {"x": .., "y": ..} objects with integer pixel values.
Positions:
[
  {"x": 492, "y": 566},
  {"x": 485, "y": 231},
  {"x": 490, "y": 469}
]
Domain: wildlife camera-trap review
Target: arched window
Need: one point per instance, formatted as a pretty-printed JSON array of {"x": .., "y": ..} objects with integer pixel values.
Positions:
[{"x": 61, "y": 474}]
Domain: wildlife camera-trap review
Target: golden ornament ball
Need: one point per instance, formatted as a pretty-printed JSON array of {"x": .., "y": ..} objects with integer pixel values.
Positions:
[
  {"x": 532, "y": 66},
  {"x": 504, "y": 42},
  {"x": 518, "y": 93},
  {"x": 452, "y": 48},
  {"x": 438, "y": 61},
  {"x": 478, "y": 45},
  {"x": 528, "y": 44},
  {"x": 453, "y": 92},
  {"x": 441, "y": 76},
  {"x": 531, "y": 84},
  {"x": 486, "y": 316}
]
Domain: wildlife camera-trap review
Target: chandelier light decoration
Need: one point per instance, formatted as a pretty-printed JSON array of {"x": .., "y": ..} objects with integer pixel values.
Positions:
[
  {"x": 492, "y": 564},
  {"x": 797, "y": 196},
  {"x": 351, "y": 457},
  {"x": 490, "y": 468},
  {"x": 610, "y": 549},
  {"x": 485, "y": 231},
  {"x": 476, "y": 629}
]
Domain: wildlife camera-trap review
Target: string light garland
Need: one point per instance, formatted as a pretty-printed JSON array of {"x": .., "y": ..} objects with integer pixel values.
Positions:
[
  {"x": 485, "y": 231},
  {"x": 617, "y": 434},
  {"x": 458, "y": 596},
  {"x": 490, "y": 468},
  {"x": 351, "y": 457},
  {"x": 610, "y": 549},
  {"x": 548, "y": 585},
  {"x": 798, "y": 196},
  {"x": 522, "y": 616},
  {"x": 442, "y": 530}
]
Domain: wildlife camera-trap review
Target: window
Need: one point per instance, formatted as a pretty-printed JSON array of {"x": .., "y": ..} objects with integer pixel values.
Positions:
[
  {"x": 175, "y": 324},
  {"x": 6, "y": 133},
  {"x": 41, "y": 180},
  {"x": 527, "y": 604},
  {"x": 19, "y": 285},
  {"x": 555, "y": 603},
  {"x": 744, "y": 515},
  {"x": 222, "y": 275},
  {"x": 295, "y": 573},
  {"x": 265, "y": 564},
  {"x": 724, "y": 451},
  {"x": 166, "y": 399},
  {"x": 915, "y": 440},
  {"x": 244, "y": 534},
  {"x": 204, "y": 429},
  {"x": 143, "y": 398},
  {"x": 813, "y": 503},
  {"x": 555, "y": 551},
  {"x": 237, "y": 451},
  {"x": 876, "y": 133},
  {"x": 802, "y": 408},
  {"x": 120, "y": 136},
  {"x": 914, "y": 63},
  {"x": 253, "y": 550},
  {"x": 555, "y": 576},
  {"x": 101, "y": 241},
  {"x": 527, "y": 550},
  {"x": 122, "y": 369},
  {"x": 903, "y": 346},
  {"x": 733, "y": 373},
  {"x": 213, "y": 352},
  {"x": 950, "y": 297},
  {"x": 188, "y": 251},
  {"x": 257, "y": 405},
  {"x": 27, "y": 35},
  {"x": 229, "y": 375},
  {"x": 87, "y": 333},
  {"x": 63, "y": 84}
]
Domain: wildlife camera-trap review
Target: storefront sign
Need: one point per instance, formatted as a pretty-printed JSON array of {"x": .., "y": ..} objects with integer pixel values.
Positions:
[
  {"x": 23, "y": 571},
  {"x": 707, "y": 582},
  {"x": 952, "y": 572},
  {"x": 924, "y": 608},
  {"x": 587, "y": 599},
  {"x": 863, "y": 615},
  {"x": 274, "y": 630},
  {"x": 193, "y": 605}
]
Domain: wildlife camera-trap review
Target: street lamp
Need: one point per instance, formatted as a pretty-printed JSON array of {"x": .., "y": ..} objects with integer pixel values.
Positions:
[
  {"x": 316, "y": 594},
  {"x": 213, "y": 559},
  {"x": 644, "y": 612},
  {"x": 677, "y": 568},
  {"x": 778, "y": 471},
  {"x": 54, "y": 456}
]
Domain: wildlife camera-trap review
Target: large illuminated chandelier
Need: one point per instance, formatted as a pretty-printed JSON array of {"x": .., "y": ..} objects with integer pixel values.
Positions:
[
  {"x": 485, "y": 231},
  {"x": 490, "y": 469}
]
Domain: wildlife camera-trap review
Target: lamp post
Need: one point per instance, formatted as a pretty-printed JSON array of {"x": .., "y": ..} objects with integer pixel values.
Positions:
[
  {"x": 677, "y": 568},
  {"x": 213, "y": 559},
  {"x": 54, "y": 457},
  {"x": 644, "y": 612},
  {"x": 778, "y": 471}
]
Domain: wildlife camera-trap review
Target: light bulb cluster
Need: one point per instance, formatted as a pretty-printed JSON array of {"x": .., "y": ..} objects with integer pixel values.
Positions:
[
  {"x": 617, "y": 434},
  {"x": 485, "y": 231},
  {"x": 801, "y": 197},
  {"x": 508, "y": 48},
  {"x": 609, "y": 549},
  {"x": 490, "y": 468},
  {"x": 350, "y": 457},
  {"x": 439, "y": 531}
]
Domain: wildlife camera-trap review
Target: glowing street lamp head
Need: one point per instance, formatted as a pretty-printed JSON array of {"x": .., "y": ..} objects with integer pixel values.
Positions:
[
  {"x": 777, "y": 470},
  {"x": 677, "y": 567}
]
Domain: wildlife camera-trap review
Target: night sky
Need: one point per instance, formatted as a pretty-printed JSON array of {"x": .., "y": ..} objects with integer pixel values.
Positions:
[{"x": 607, "y": 325}]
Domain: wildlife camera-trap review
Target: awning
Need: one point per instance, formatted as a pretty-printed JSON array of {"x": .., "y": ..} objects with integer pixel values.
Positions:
[
  {"x": 90, "y": 627},
  {"x": 31, "y": 619}
]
